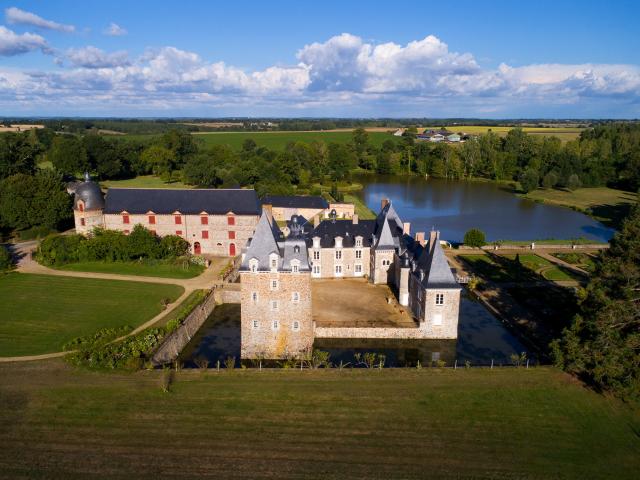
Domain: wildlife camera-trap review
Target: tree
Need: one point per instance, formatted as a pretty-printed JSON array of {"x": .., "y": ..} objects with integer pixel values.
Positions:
[
  {"x": 17, "y": 154},
  {"x": 143, "y": 243},
  {"x": 249, "y": 145},
  {"x": 529, "y": 180},
  {"x": 5, "y": 259},
  {"x": 602, "y": 345},
  {"x": 550, "y": 180},
  {"x": 201, "y": 170},
  {"x": 475, "y": 238},
  {"x": 68, "y": 155},
  {"x": 360, "y": 144},
  {"x": 383, "y": 162},
  {"x": 341, "y": 160},
  {"x": 573, "y": 182},
  {"x": 160, "y": 160}
]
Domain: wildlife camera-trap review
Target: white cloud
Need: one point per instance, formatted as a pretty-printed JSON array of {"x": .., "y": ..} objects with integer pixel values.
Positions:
[
  {"x": 16, "y": 16},
  {"x": 114, "y": 30},
  {"x": 92, "y": 57},
  {"x": 12, "y": 43}
]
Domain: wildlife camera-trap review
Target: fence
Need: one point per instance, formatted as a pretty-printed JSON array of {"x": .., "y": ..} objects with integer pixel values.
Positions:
[{"x": 178, "y": 339}]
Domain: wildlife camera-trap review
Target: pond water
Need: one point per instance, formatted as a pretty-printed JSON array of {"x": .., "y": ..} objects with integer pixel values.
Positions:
[
  {"x": 481, "y": 339},
  {"x": 453, "y": 207}
]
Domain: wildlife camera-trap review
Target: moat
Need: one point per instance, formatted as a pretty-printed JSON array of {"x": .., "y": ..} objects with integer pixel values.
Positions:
[{"x": 454, "y": 206}]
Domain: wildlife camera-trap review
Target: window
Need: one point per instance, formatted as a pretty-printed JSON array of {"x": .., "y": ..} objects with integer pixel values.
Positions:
[
  {"x": 178, "y": 219},
  {"x": 274, "y": 305},
  {"x": 316, "y": 270},
  {"x": 125, "y": 218},
  {"x": 256, "y": 325},
  {"x": 358, "y": 253},
  {"x": 358, "y": 268},
  {"x": 338, "y": 254},
  {"x": 205, "y": 234},
  {"x": 386, "y": 263},
  {"x": 437, "y": 319},
  {"x": 295, "y": 326},
  {"x": 253, "y": 265},
  {"x": 179, "y": 232},
  {"x": 274, "y": 284},
  {"x": 254, "y": 297},
  {"x": 204, "y": 220},
  {"x": 358, "y": 242},
  {"x": 152, "y": 219},
  {"x": 295, "y": 297},
  {"x": 338, "y": 269},
  {"x": 81, "y": 206},
  {"x": 275, "y": 325},
  {"x": 294, "y": 268},
  {"x": 82, "y": 222},
  {"x": 274, "y": 262},
  {"x": 316, "y": 255},
  {"x": 231, "y": 220},
  {"x": 439, "y": 298},
  {"x": 232, "y": 235}
]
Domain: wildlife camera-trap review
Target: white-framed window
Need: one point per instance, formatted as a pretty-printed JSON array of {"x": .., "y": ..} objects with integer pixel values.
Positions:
[
  {"x": 338, "y": 269},
  {"x": 295, "y": 297},
  {"x": 256, "y": 324},
  {"x": 386, "y": 263},
  {"x": 316, "y": 270},
  {"x": 295, "y": 266},
  {"x": 358, "y": 253},
  {"x": 275, "y": 325},
  {"x": 358, "y": 241},
  {"x": 357, "y": 268},
  {"x": 274, "y": 305},
  {"x": 273, "y": 261},
  {"x": 316, "y": 254},
  {"x": 338, "y": 254},
  {"x": 254, "y": 297},
  {"x": 439, "y": 298},
  {"x": 295, "y": 326},
  {"x": 437, "y": 319},
  {"x": 253, "y": 265},
  {"x": 274, "y": 284}
]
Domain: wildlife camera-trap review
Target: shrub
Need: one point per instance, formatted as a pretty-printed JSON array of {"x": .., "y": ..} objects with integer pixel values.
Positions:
[
  {"x": 574, "y": 182},
  {"x": 475, "y": 238},
  {"x": 529, "y": 180},
  {"x": 173, "y": 246},
  {"x": 550, "y": 180}
]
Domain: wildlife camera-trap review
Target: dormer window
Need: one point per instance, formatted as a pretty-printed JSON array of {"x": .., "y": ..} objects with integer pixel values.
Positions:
[
  {"x": 338, "y": 242},
  {"x": 178, "y": 219},
  {"x": 273, "y": 261},
  {"x": 125, "y": 218},
  {"x": 316, "y": 242},
  {"x": 358, "y": 241},
  {"x": 152, "y": 219},
  {"x": 295, "y": 266},
  {"x": 296, "y": 249},
  {"x": 253, "y": 265}
]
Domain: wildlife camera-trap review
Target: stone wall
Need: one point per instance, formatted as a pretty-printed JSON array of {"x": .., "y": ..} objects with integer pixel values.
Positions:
[
  {"x": 178, "y": 339},
  {"x": 421, "y": 332},
  {"x": 347, "y": 261},
  {"x": 229, "y": 293},
  {"x": 268, "y": 330}
]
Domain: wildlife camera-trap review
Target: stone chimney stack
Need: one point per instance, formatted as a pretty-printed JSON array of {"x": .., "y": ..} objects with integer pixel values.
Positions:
[
  {"x": 420, "y": 238},
  {"x": 316, "y": 221},
  {"x": 268, "y": 209},
  {"x": 434, "y": 237},
  {"x": 355, "y": 219},
  {"x": 383, "y": 203},
  {"x": 406, "y": 228}
]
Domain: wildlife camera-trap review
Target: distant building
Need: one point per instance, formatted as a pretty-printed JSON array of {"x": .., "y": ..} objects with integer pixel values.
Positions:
[
  {"x": 284, "y": 207},
  {"x": 453, "y": 138},
  {"x": 216, "y": 222}
]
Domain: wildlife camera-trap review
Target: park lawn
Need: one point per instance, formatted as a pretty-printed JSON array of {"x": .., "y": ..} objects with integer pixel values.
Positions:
[
  {"x": 363, "y": 212},
  {"x": 60, "y": 422},
  {"x": 487, "y": 268},
  {"x": 545, "y": 268},
  {"x": 151, "y": 268},
  {"x": 143, "y": 181},
  {"x": 582, "y": 260},
  {"x": 40, "y": 313}
]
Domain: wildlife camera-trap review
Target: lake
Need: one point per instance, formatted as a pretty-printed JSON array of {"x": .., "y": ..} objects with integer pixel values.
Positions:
[{"x": 454, "y": 206}]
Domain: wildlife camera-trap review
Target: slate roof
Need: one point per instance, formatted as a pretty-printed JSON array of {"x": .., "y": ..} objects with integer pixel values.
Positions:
[
  {"x": 90, "y": 193},
  {"x": 328, "y": 230},
  {"x": 166, "y": 201},
  {"x": 432, "y": 261},
  {"x": 295, "y": 201},
  {"x": 262, "y": 245}
]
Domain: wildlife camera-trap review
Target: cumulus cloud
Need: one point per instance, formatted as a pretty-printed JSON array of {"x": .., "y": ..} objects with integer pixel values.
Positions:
[
  {"x": 343, "y": 74},
  {"x": 114, "y": 30},
  {"x": 13, "y": 44},
  {"x": 16, "y": 16},
  {"x": 92, "y": 57}
]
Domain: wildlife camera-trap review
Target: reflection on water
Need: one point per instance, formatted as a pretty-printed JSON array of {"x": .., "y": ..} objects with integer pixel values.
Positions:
[
  {"x": 453, "y": 207},
  {"x": 481, "y": 339}
]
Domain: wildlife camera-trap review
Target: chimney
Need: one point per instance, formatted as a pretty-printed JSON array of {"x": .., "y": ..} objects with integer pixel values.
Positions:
[
  {"x": 268, "y": 209},
  {"x": 434, "y": 237},
  {"x": 316, "y": 221},
  {"x": 406, "y": 228},
  {"x": 420, "y": 238},
  {"x": 383, "y": 203},
  {"x": 355, "y": 218}
]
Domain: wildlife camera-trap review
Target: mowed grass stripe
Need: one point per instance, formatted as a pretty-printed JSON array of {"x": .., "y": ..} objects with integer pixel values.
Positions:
[{"x": 39, "y": 313}]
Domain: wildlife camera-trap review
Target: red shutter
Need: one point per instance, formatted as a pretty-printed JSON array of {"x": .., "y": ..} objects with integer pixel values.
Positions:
[
  {"x": 231, "y": 220},
  {"x": 205, "y": 234},
  {"x": 178, "y": 232},
  {"x": 232, "y": 235},
  {"x": 152, "y": 219},
  {"x": 178, "y": 220},
  {"x": 125, "y": 218},
  {"x": 204, "y": 220}
]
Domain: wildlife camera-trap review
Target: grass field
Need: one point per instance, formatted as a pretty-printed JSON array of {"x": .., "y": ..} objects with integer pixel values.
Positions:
[
  {"x": 363, "y": 212},
  {"x": 145, "y": 269},
  {"x": 57, "y": 422},
  {"x": 604, "y": 204},
  {"x": 582, "y": 260},
  {"x": 39, "y": 313},
  {"x": 563, "y": 133},
  {"x": 143, "y": 181},
  {"x": 545, "y": 268}
]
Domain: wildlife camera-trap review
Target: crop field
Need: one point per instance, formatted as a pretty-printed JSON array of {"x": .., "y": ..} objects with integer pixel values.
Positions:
[
  {"x": 60, "y": 422},
  {"x": 563, "y": 133},
  {"x": 40, "y": 313}
]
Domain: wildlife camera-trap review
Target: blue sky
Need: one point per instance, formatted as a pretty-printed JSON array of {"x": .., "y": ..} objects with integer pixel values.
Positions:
[{"x": 466, "y": 59}]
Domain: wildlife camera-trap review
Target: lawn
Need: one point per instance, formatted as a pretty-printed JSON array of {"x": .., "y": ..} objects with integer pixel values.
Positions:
[
  {"x": 40, "y": 313},
  {"x": 143, "y": 181},
  {"x": 487, "y": 267},
  {"x": 544, "y": 267},
  {"x": 57, "y": 422},
  {"x": 582, "y": 260},
  {"x": 363, "y": 212},
  {"x": 604, "y": 204},
  {"x": 149, "y": 268}
]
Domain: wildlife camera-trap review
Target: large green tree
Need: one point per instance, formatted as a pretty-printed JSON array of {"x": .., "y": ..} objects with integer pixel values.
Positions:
[
  {"x": 68, "y": 155},
  {"x": 603, "y": 343},
  {"x": 18, "y": 153}
]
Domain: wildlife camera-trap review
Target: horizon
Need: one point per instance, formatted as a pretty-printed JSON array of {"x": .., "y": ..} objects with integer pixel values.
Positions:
[{"x": 496, "y": 60}]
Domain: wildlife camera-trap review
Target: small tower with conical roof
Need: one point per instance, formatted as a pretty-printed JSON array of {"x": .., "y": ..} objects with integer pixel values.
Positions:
[{"x": 88, "y": 206}]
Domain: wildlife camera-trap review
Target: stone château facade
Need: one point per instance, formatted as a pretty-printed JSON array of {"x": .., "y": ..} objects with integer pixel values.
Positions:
[{"x": 216, "y": 222}]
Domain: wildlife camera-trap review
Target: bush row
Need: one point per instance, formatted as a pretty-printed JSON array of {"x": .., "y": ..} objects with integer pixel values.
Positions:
[{"x": 110, "y": 246}]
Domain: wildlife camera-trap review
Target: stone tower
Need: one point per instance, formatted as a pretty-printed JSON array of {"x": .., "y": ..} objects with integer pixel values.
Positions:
[
  {"x": 88, "y": 206},
  {"x": 275, "y": 277}
]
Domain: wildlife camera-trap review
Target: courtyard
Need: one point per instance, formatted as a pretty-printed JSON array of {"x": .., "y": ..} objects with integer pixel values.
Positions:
[{"x": 354, "y": 302}]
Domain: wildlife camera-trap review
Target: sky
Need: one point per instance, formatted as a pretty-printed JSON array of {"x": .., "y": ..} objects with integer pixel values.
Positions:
[{"x": 480, "y": 59}]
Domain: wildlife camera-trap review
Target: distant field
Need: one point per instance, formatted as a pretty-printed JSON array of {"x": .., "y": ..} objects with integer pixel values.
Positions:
[
  {"x": 563, "y": 133},
  {"x": 505, "y": 423},
  {"x": 40, "y": 313},
  {"x": 143, "y": 181}
]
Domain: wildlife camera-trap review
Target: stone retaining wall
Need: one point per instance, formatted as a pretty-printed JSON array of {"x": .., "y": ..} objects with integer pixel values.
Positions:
[
  {"x": 374, "y": 332},
  {"x": 228, "y": 293},
  {"x": 537, "y": 246},
  {"x": 178, "y": 339}
]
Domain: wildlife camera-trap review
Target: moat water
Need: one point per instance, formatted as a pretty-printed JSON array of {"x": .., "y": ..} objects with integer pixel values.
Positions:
[
  {"x": 482, "y": 339},
  {"x": 453, "y": 207}
]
